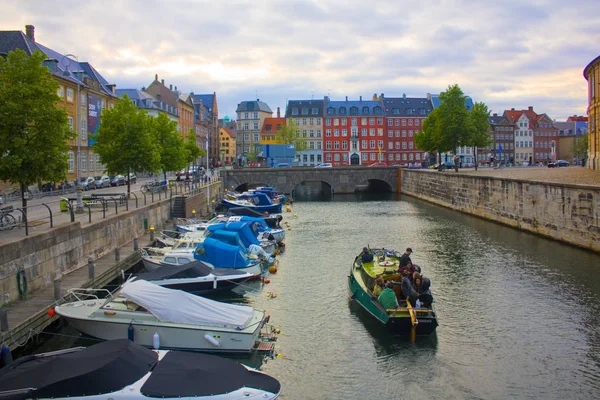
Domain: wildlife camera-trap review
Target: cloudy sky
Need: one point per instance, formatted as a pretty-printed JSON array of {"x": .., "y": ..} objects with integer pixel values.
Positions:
[{"x": 506, "y": 53}]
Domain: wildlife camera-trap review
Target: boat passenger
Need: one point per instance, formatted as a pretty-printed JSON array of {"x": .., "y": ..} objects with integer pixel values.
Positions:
[
  {"x": 366, "y": 255},
  {"x": 378, "y": 287},
  {"x": 405, "y": 258},
  {"x": 387, "y": 298},
  {"x": 408, "y": 290},
  {"x": 425, "y": 296},
  {"x": 410, "y": 268}
]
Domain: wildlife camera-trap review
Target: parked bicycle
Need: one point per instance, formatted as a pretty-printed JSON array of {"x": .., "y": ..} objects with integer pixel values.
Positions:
[
  {"x": 7, "y": 221},
  {"x": 154, "y": 187}
]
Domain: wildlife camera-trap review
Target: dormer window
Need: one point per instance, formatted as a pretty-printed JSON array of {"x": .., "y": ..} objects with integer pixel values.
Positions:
[
  {"x": 396, "y": 111},
  {"x": 353, "y": 110},
  {"x": 342, "y": 110},
  {"x": 365, "y": 110},
  {"x": 315, "y": 111},
  {"x": 305, "y": 111},
  {"x": 294, "y": 111},
  {"x": 377, "y": 110},
  {"x": 331, "y": 111}
]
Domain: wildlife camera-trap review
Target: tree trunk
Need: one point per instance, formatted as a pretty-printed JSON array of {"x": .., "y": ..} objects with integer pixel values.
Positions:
[
  {"x": 24, "y": 200},
  {"x": 165, "y": 175},
  {"x": 475, "y": 156},
  {"x": 128, "y": 183}
]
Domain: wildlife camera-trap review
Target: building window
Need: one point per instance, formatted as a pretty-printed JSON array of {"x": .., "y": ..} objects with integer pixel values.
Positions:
[
  {"x": 327, "y": 145},
  {"x": 377, "y": 110},
  {"x": 303, "y": 121},
  {"x": 365, "y": 111},
  {"x": 390, "y": 122},
  {"x": 83, "y": 99},
  {"x": 328, "y": 122},
  {"x": 344, "y": 145},
  {"x": 380, "y": 144},
  {"x": 336, "y": 145},
  {"x": 318, "y": 121},
  {"x": 71, "y": 161},
  {"x": 255, "y": 115},
  {"x": 363, "y": 131},
  {"x": 92, "y": 162},
  {"x": 315, "y": 111},
  {"x": 372, "y": 156},
  {"x": 364, "y": 144},
  {"x": 328, "y": 157},
  {"x": 336, "y": 132},
  {"x": 61, "y": 92},
  {"x": 83, "y": 162},
  {"x": 294, "y": 111},
  {"x": 327, "y": 132},
  {"x": 397, "y": 145},
  {"x": 336, "y": 157},
  {"x": 69, "y": 95},
  {"x": 70, "y": 119},
  {"x": 344, "y": 132},
  {"x": 311, "y": 133},
  {"x": 365, "y": 156},
  {"x": 403, "y": 122},
  {"x": 372, "y": 144},
  {"x": 83, "y": 128},
  {"x": 379, "y": 131},
  {"x": 379, "y": 121}
]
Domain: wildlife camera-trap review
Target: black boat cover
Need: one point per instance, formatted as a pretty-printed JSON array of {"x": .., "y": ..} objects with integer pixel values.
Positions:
[
  {"x": 181, "y": 374},
  {"x": 103, "y": 368},
  {"x": 194, "y": 269}
]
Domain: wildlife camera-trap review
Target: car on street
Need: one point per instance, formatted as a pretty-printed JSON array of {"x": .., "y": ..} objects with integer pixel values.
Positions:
[
  {"x": 558, "y": 164},
  {"x": 118, "y": 180},
  {"x": 88, "y": 183},
  {"x": 324, "y": 165},
  {"x": 102, "y": 181},
  {"x": 283, "y": 165},
  {"x": 132, "y": 178}
]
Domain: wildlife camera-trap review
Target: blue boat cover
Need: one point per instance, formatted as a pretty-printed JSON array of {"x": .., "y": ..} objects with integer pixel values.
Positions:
[
  {"x": 260, "y": 199},
  {"x": 221, "y": 254},
  {"x": 243, "y": 229}
]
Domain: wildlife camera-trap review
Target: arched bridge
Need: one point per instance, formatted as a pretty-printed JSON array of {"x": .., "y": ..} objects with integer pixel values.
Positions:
[{"x": 346, "y": 179}]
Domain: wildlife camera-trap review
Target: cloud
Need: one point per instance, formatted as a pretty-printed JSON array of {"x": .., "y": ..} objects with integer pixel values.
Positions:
[{"x": 506, "y": 54}]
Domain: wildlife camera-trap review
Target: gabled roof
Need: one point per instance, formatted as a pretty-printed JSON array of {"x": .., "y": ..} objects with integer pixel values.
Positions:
[
  {"x": 335, "y": 107},
  {"x": 270, "y": 125},
  {"x": 404, "y": 106},
  {"x": 577, "y": 118},
  {"x": 513, "y": 115},
  {"x": 206, "y": 99},
  {"x": 251, "y": 106},
  {"x": 12, "y": 40},
  {"x": 435, "y": 101},
  {"x": 227, "y": 131},
  {"x": 309, "y": 105}
]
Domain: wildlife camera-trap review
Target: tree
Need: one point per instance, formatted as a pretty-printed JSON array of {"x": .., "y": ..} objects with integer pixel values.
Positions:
[
  {"x": 192, "y": 150},
  {"x": 479, "y": 124},
  {"x": 34, "y": 132},
  {"x": 126, "y": 141},
  {"x": 173, "y": 155},
  {"x": 453, "y": 121},
  {"x": 290, "y": 134},
  {"x": 428, "y": 138},
  {"x": 580, "y": 147}
]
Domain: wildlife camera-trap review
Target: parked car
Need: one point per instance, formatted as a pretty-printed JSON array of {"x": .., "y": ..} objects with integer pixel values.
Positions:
[
  {"x": 446, "y": 165},
  {"x": 283, "y": 165},
  {"x": 324, "y": 165},
  {"x": 118, "y": 180},
  {"x": 558, "y": 164},
  {"x": 102, "y": 181},
  {"x": 88, "y": 183},
  {"x": 132, "y": 178},
  {"x": 378, "y": 164}
]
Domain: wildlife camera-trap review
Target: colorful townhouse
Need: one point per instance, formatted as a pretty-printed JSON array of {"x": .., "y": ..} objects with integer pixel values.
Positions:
[
  {"x": 167, "y": 99},
  {"x": 185, "y": 109},
  {"x": 308, "y": 116},
  {"x": 206, "y": 123},
  {"x": 227, "y": 146},
  {"x": 354, "y": 132},
  {"x": 570, "y": 133},
  {"x": 502, "y": 141},
  {"x": 404, "y": 117},
  {"x": 269, "y": 133},
  {"x": 83, "y": 93},
  {"x": 536, "y": 137},
  {"x": 250, "y": 118},
  {"x": 592, "y": 74}
]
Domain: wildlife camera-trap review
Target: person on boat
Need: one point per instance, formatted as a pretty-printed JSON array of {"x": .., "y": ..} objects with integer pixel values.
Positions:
[
  {"x": 409, "y": 267},
  {"x": 387, "y": 298},
  {"x": 405, "y": 258},
  {"x": 378, "y": 286},
  {"x": 366, "y": 255},
  {"x": 425, "y": 297},
  {"x": 408, "y": 290}
]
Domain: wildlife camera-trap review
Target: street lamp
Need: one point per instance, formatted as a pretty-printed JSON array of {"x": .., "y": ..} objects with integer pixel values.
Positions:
[
  {"x": 207, "y": 180},
  {"x": 65, "y": 61}
]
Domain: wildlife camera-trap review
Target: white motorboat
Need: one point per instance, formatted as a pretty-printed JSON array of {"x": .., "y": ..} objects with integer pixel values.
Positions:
[
  {"x": 146, "y": 313},
  {"x": 186, "y": 243},
  {"x": 122, "y": 370}
]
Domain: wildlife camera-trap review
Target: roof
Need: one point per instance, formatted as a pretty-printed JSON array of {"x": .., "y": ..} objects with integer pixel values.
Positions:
[
  {"x": 585, "y": 70},
  {"x": 513, "y": 115},
  {"x": 206, "y": 99},
  {"x": 304, "y": 108},
  {"x": 435, "y": 101},
  {"x": 343, "y": 108},
  {"x": 407, "y": 106},
  {"x": 228, "y": 131},
  {"x": 81, "y": 372},
  {"x": 270, "y": 125},
  {"x": 12, "y": 40},
  {"x": 577, "y": 118},
  {"x": 253, "y": 106}
]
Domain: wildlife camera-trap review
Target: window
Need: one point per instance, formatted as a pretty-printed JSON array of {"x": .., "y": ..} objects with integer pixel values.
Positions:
[
  {"x": 344, "y": 145},
  {"x": 330, "y": 111},
  {"x": 403, "y": 133},
  {"x": 255, "y": 115},
  {"x": 410, "y": 133},
  {"x": 397, "y": 157},
  {"x": 61, "y": 92},
  {"x": 336, "y": 145},
  {"x": 364, "y": 144},
  {"x": 418, "y": 156},
  {"x": 304, "y": 110},
  {"x": 70, "y": 119},
  {"x": 372, "y": 144},
  {"x": 403, "y": 122},
  {"x": 390, "y": 133},
  {"x": 336, "y": 121},
  {"x": 84, "y": 162},
  {"x": 315, "y": 111},
  {"x": 344, "y": 121},
  {"x": 363, "y": 131},
  {"x": 294, "y": 111},
  {"x": 328, "y": 122},
  {"x": 397, "y": 133},
  {"x": 327, "y": 132},
  {"x": 318, "y": 121},
  {"x": 404, "y": 145},
  {"x": 377, "y": 110},
  {"x": 328, "y": 145},
  {"x": 303, "y": 121},
  {"x": 256, "y": 125},
  {"x": 372, "y": 132},
  {"x": 98, "y": 165},
  {"x": 404, "y": 156},
  {"x": 328, "y": 157},
  {"x": 410, "y": 122},
  {"x": 83, "y": 128},
  {"x": 71, "y": 161},
  {"x": 92, "y": 162},
  {"x": 69, "y": 95},
  {"x": 416, "y": 124},
  {"x": 379, "y": 121},
  {"x": 372, "y": 157},
  {"x": 365, "y": 111},
  {"x": 410, "y": 145},
  {"x": 83, "y": 99},
  {"x": 353, "y": 110},
  {"x": 245, "y": 115},
  {"x": 342, "y": 110},
  {"x": 390, "y": 122},
  {"x": 246, "y": 137},
  {"x": 311, "y": 133},
  {"x": 379, "y": 131},
  {"x": 365, "y": 156},
  {"x": 397, "y": 122},
  {"x": 336, "y": 132},
  {"x": 371, "y": 121},
  {"x": 390, "y": 146},
  {"x": 318, "y": 158},
  {"x": 397, "y": 145},
  {"x": 380, "y": 144}
]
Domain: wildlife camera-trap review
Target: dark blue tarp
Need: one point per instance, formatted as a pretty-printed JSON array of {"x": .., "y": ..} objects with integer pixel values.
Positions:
[{"x": 221, "y": 254}]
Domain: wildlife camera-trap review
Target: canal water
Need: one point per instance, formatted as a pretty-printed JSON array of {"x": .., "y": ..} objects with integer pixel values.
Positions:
[{"x": 519, "y": 316}]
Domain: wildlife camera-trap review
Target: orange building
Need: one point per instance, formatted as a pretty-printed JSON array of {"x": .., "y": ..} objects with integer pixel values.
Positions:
[{"x": 269, "y": 132}]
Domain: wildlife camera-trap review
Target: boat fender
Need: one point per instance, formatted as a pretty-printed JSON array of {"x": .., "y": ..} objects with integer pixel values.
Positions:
[
  {"x": 215, "y": 283},
  {"x": 21, "y": 281},
  {"x": 130, "y": 332},
  {"x": 212, "y": 340},
  {"x": 156, "y": 341}
]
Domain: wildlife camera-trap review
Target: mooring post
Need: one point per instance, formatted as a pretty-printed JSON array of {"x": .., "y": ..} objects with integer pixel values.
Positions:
[
  {"x": 57, "y": 295},
  {"x": 135, "y": 244},
  {"x": 91, "y": 267},
  {"x": 151, "y": 233},
  {"x": 117, "y": 254},
  {"x": 3, "y": 320}
]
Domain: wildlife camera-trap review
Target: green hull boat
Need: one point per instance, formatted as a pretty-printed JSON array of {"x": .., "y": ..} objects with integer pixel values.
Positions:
[{"x": 399, "y": 321}]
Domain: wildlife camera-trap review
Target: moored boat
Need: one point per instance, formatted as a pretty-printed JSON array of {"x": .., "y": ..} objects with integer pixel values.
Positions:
[
  {"x": 123, "y": 370},
  {"x": 401, "y": 320}
]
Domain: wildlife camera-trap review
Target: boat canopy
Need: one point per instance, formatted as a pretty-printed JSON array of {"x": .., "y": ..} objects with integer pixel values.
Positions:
[
  {"x": 229, "y": 237},
  {"x": 79, "y": 372},
  {"x": 243, "y": 229},
  {"x": 221, "y": 255},
  {"x": 180, "y": 307},
  {"x": 259, "y": 199},
  {"x": 194, "y": 269}
]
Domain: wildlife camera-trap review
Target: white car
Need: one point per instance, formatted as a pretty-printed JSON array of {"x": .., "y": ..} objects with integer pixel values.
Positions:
[{"x": 324, "y": 165}]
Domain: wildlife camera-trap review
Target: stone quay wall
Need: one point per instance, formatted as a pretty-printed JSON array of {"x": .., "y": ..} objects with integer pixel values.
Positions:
[
  {"x": 564, "y": 212},
  {"x": 46, "y": 256},
  {"x": 200, "y": 201}
]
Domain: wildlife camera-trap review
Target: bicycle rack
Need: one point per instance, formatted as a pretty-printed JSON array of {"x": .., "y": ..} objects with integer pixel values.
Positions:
[
  {"x": 116, "y": 205},
  {"x": 50, "y": 212},
  {"x": 70, "y": 210},
  {"x": 145, "y": 202},
  {"x": 24, "y": 220},
  {"x": 136, "y": 199}
]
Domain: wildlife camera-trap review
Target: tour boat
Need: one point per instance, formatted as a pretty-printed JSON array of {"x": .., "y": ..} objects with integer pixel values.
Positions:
[
  {"x": 150, "y": 314},
  {"x": 123, "y": 370},
  {"x": 399, "y": 321}
]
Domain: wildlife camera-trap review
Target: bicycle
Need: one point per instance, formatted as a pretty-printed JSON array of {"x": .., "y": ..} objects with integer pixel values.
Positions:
[{"x": 7, "y": 221}]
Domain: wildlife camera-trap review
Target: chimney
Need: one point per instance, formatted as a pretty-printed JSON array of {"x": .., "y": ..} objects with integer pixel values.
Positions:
[
  {"x": 346, "y": 98},
  {"x": 143, "y": 87},
  {"x": 360, "y": 97},
  {"x": 156, "y": 77},
  {"x": 403, "y": 95},
  {"x": 175, "y": 88},
  {"x": 30, "y": 32},
  {"x": 278, "y": 113},
  {"x": 382, "y": 96},
  {"x": 171, "y": 87},
  {"x": 162, "y": 81},
  {"x": 530, "y": 108},
  {"x": 374, "y": 96},
  {"x": 495, "y": 114},
  {"x": 512, "y": 109}
]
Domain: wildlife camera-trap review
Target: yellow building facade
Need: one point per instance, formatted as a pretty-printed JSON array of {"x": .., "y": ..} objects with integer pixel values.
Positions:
[
  {"x": 592, "y": 74},
  {"x": 227, "y": 143}
]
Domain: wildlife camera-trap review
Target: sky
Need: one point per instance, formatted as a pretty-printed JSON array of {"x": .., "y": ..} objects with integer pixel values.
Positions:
[{"x": 504, "y": 53}]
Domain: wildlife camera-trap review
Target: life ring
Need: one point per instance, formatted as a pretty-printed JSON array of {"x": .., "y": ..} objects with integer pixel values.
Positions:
[
  {"x": 21, "y": 281},
  {"x": 386, "y": 263}
]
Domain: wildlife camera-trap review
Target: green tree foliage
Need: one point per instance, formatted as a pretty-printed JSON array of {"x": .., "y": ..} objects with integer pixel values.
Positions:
[
  {"x": 192, "y": 150},
  {"x": 33, "y": 130},
  {"x": 173, "y": 155},
  {"x": 289, "y": 134},
  {"x": 479, "y": 125},
  {"x": 126, "y": 141},
  {"x": 580, "y": 146}
]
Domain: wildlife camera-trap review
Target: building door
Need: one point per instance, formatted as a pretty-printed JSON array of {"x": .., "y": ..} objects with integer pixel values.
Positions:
[{"x": 354, "y": 159}]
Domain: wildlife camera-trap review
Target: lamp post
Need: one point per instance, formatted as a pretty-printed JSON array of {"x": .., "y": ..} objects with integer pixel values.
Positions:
[
  {"x": 65, "y": 61},
  {"x": 208, "y": 180}
]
